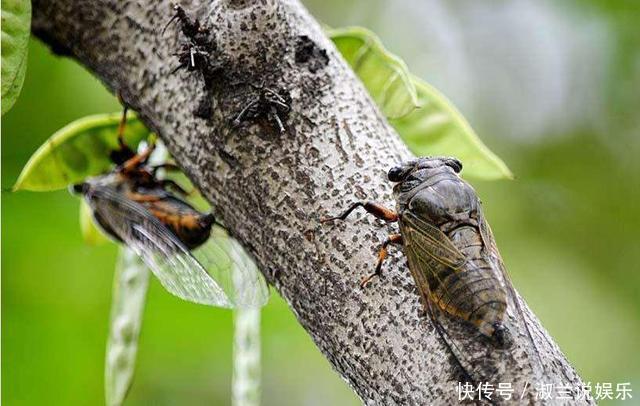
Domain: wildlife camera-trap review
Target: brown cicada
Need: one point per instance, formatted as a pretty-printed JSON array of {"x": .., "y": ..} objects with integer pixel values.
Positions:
[
  {"x": 135, "y": 207},
  {"x": 450, "y": 249}
]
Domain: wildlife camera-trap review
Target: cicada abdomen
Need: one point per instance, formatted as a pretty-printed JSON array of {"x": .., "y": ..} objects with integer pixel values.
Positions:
[
  {"x": 192, "y": 227},
  {"x": 471, "y": 292}
]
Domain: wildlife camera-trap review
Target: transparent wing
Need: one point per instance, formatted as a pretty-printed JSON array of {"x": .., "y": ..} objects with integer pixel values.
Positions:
[
  {"x": 430, "y": 240},
  {"x": 424, "y": 244},
  {"x": 419, "y": 262},
  {"x": 169, "y": 260},
  {"x": 492, "y": 250},
  {"x": 222, "y": 256},
  {"x": 238, "y": 276}
]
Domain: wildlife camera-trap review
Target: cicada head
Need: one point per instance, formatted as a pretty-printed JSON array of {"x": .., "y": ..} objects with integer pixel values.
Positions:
[{"x": 414, "y": 172}]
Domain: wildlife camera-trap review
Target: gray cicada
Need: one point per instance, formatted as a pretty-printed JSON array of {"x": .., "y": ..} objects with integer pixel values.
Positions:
[{"x": 450, "y": 249}]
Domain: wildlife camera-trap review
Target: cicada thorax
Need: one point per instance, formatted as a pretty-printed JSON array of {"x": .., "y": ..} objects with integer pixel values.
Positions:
[{"x": 470, "y": 289}]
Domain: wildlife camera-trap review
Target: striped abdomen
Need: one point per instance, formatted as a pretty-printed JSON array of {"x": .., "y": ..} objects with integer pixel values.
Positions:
[
  {"x": 474, "y": 292},
  {"x": 190, "y": 226}
]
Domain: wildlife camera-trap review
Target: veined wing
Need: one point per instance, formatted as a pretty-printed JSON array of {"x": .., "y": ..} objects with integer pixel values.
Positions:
[
  {"x": 226, "y": 261},
  {"x": 492, "y": 250},
  {"x": 169, "y": 260},
  {"x": 431, "y": 241},
  {"x": 234, "y": 270},
  {"x": 423, "y": 244},
  {"x": 419, "y": 263}
]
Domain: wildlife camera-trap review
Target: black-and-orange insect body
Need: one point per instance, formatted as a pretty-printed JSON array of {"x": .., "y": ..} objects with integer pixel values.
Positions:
[
  {"x": 137, "y": 208},
  {"x": 139, "y": 185}
]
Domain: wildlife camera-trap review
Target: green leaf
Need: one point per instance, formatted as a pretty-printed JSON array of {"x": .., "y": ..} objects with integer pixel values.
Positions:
[
  {"x": 130, "y": 283},
  {"x": 16, "y": 22},
  {"x": 385, "y": 76},
  {"x": 427, "y": 122},
  {"x": 91, "y": 233},
  {"x": 438, "y": 128},
  {"x": 77, "y": 151}
]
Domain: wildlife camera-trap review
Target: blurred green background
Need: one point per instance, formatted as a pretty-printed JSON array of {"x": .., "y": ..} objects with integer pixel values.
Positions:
[{"x": 553, "y": 88}]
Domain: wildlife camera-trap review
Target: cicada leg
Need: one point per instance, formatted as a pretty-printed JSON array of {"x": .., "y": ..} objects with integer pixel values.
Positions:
[
  {"x": 382, "y": 255},
  {"x": 121, "y": 126},
  {"x": 142, "y": 198},
  {"x": 173, "y": 184},
  {"x": 378, "y": 210},
  {"x": 237, "y": 121},
  {"x": 138, "y": 159},
  {"x": 123, "y": 153},
  {"x": 167, "y": 166},
  {"x": 273, "y": 115}
]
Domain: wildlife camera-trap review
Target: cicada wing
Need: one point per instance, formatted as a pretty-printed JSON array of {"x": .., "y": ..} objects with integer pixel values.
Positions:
[
  {"x": 492, "y": 250},
  {"x": 169, "y": 260},
  {"x": 426, "y": 247},
  {"x": 234, "y": 270},
  {"x": 430, "y": 240},
  {"x": 419, "y": 263}
]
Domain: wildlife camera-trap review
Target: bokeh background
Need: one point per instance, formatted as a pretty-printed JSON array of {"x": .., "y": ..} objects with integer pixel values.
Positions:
[{"x": 552, "y": 87}]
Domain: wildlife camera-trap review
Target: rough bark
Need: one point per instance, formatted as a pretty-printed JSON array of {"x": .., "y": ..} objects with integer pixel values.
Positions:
[{"x": 270, "y": 189}]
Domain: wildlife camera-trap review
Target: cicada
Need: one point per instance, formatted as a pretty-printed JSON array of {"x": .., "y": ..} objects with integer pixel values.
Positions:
[
  {"x": 451, "y": 252},
  {"x": 132, "y": 205}
]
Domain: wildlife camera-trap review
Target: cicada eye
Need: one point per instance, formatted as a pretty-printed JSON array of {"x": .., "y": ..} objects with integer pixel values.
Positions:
[
  {"x": 455, "y": 164},
  {"x": 394, "y": 174},
  {"x": 78, "y": 188},
  {"x": 397, "y": 173}
]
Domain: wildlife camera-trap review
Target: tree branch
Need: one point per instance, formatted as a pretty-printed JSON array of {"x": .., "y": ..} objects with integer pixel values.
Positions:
[{"x": 270, "y": 189}]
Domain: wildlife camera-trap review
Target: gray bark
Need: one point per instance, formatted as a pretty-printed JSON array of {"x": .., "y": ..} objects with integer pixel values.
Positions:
[{"x": 270, "y": 189}]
